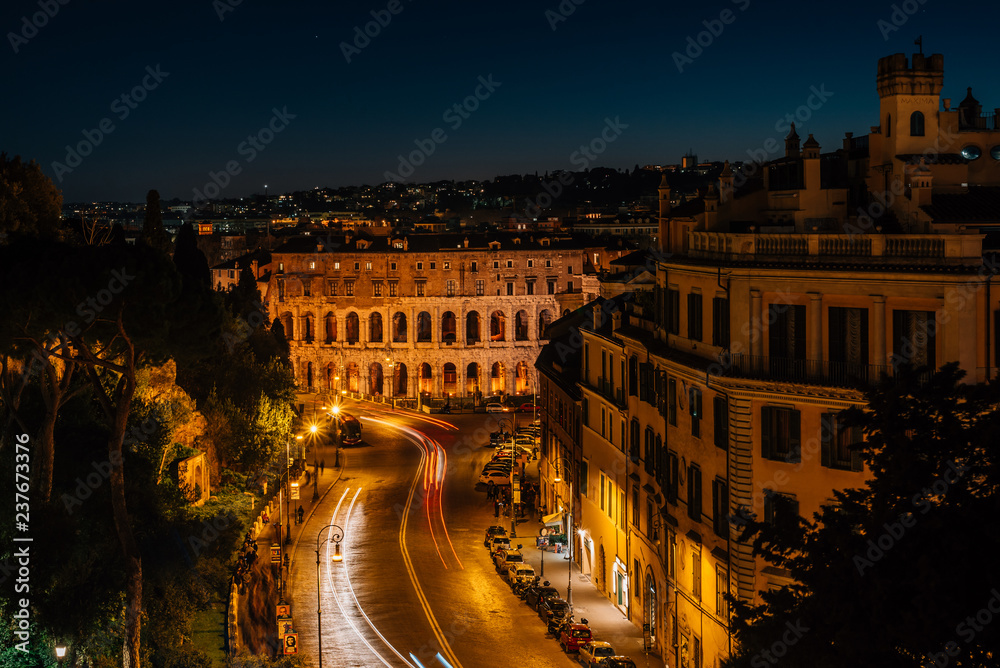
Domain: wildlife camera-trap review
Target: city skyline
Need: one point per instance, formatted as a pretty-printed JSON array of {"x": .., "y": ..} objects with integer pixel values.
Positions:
[{"x": 238, "y": 96}]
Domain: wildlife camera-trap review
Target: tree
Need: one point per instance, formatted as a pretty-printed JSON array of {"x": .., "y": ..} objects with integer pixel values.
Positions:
[
  {"x": 899, "y": 572},
  {"x": 190, "y": 261},
  {"x": 153, "y": 233},
  {"x": 30, "y": 204}
]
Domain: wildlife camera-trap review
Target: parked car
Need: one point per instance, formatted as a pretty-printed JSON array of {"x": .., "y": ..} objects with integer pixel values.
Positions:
[
  {"x": 555, "y": 613},
  {"x": 498, "y": 437},
  {"x": 498, "y": 476},
  {"x": 504, "y": 558},
  {"x": 491, "y": 531},
  {"x": 528, "y": 407},
  {"x": 495, "y": 407},
  {"x": 575, "y": 636},
  {"x": 499, "y": 543},
  {"x": 535, "y": 595},
  {"x": 519, "y": 572},
  {"x": 617, "y": 662},
  {"x": 594, "y": 652}
]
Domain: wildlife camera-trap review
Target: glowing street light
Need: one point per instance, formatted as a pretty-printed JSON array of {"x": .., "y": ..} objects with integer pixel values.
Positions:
[
  {"x": 569, "y": 527},
  {"x": 60, "y": 653},
  {"x": 335, "y": 538}
]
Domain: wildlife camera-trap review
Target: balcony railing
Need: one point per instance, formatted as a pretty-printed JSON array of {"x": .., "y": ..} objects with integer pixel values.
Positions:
[{"x": 819, "y": 372}]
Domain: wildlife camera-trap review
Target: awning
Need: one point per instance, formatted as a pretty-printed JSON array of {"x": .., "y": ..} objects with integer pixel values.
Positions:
[{"x": 555, "y": 519}]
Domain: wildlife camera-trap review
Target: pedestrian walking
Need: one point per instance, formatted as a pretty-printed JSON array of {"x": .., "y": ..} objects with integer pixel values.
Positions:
[
  {"x": 496, "y": 508},
  {"x": 491, "y": 489},
  {"x": 322, "y": 465}
]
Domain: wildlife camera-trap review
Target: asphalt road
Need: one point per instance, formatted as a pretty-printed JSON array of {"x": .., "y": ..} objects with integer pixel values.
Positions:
[{"x": 416, "y": 587}]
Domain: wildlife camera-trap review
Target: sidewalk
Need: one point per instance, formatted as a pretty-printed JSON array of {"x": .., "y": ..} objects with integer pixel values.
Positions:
[{"x": 605, "y": 620}]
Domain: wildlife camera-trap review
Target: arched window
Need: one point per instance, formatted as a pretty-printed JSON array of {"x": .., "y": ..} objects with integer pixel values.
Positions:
[
  {"x": 353, "y": 328},
  {"x": 286, "y": 324},
  {"x": 423, "y": 327},
  {"x": 449, "y": 326},
  {"x": 399, "y": 328},
  {"x": 472, "y": 328},
  {"x": 888, "y": 125},
  {"x": 472, "y": 378},
  {"x": 375, "y": 327},
  {"x": 426, "y": 380},
  {"x": 498, "y": 326},
  {"x": 522, "y": 382},
  {"x": 497, "y": 380},
  {"x": 916, "y": 124},
  {"x": 375, "y": 378},
  {"x": 521, "y": 326},
  {"x": 353, "y": 374},
  {"x": 331, "y": 327},
  {"x": 308, "y": 329},
  {"x": 544, "y": 319},
  {"x": 450, "y": 378},
  {"x": 400, "y": 383}
]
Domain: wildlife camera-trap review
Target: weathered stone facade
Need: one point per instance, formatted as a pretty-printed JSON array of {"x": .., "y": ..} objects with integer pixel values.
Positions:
[{"x": 451, "y": 314}]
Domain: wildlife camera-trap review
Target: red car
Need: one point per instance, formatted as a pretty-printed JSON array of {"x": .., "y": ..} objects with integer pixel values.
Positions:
[{"x": 574, "y": 637}]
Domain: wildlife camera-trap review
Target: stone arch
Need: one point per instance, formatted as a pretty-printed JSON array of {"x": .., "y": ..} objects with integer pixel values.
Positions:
[
  {"x": 472, "y": 328},
  {"x": 353, "y": 327},
  {"x": 650, "y": 603},
  {"x": 423, "y": 327},
  {"x": 329, "y": 377},
  {"x": 376, "y": 380},
  {"x": 375, "y": 327},
  {"x": 426, "y": 379},
  {"x": 450, "y": 372},
  {"x": 399, "y": 327},
  {"x": 353, "y": 377},
  {"x": 498, "y": 380},
  {"x": 286, "y": 323},
  {"x": 522, "y": 378},
  {"x": 472, "y": 379},
  {"x": 917, "y": 124},
  {"x": 449, "y": 326},
  {"x": 521, "y": 326},
  {"x": 309, "y": 375},
  {"x": 498, "y": 326},
  {"x": 308, "y": 327},
  {"x": 331, "y": 327},
  {"x": 544, "y": 320},
  {"x": 399, "y": 370}
]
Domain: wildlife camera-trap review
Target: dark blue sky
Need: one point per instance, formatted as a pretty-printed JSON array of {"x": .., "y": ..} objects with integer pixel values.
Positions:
[{"x": 352, "y": 120}]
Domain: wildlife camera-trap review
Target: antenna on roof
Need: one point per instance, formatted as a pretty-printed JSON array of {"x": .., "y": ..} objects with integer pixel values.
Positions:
[{"x": 919, "y": 41}]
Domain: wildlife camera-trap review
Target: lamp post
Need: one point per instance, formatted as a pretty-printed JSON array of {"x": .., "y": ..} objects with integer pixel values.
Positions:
[
  {"x": 392, "y": 384},
  {"x": 569, "y": 530},
  {"x": 288, "y": 494},
  {"x": 513, "y": 515},
  {"x": 336, "y": 435},
  {"x": 313, "y": 429},
  {"x": 60, "y": 653},
  {"x": 335, "y": 538}
]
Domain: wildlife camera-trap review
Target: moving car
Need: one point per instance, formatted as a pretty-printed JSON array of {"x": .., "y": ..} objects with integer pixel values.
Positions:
[
  {"x": 575, "y": 636},
  {"x": 594, "y": 652},
  {"x": 495, "y": 407}
]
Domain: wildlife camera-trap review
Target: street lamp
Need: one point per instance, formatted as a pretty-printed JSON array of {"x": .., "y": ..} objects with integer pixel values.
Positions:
[
  {"x": 313, "y": 429},
  {"x": 288, "y": 494},
  {"x": 392, "y": 384},
  {"x": 60, "y": 653},
  {"x": 513, "y": 462},
  {"x": 335, "y": 537},
  {"x": 569, "y": 528},
  {"x": 336, "y": 436}
]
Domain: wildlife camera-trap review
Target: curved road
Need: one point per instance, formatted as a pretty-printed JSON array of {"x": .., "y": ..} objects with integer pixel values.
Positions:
[{"x": 416, "y": 586}]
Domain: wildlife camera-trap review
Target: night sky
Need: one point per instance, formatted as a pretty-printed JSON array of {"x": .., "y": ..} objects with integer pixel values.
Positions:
[{"x": 221, "y": 80}]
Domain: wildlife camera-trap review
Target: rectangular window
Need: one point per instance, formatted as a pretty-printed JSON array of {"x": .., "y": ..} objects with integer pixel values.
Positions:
[
  {"x": 585, "y": 412},
  {"x": 602, "y": 490},
  {"x": 673, "y": 475},
  {"x": 531, "y": 263},
  {"x": 433, "y": 265},
  {"x": 694, "y": 404},
  {"x": 368, "y": 266},
  {"x": 447, "y": 265},
  {"x": 281, "y": 290},
  {"x": 376, "y": 288},
  {"x": 780, "y": 434},
  {"x": 604, "y": 417},
  {"x": 836, "y": 441},
  {"x": 721, "y": 589},
  {"x": 672, "y": 312},
  {"x": 392, "y": 266},
  {"x": 720, "y": 507},
  {"x": 420, "y": 266},
  {"x": 331, "y": 288},
  {"x": 510, "y": 288},
  {"x": 848, "y": 337},
  {"x": 720, "y": 322},
  {"x": 480, "y": 288},
  {"x": 696, "y": 641},
  {"x": 450, "y": 288},
  {"x": 420, "y": 288},
  {"x": 496, "y": 264},
  {"x": 548, "y": 263},
  {"x": 780, "y": 508},
  {"x": 913, "y": 338},
  {"x": 357, "y": 266},
  {"x": 672, "y": 401},
  {"x": 696, "y": 571},
  {"x": 649, "y": 456},
  {"x": 671, "y": 554},
  {"x": 312, "y": 265},
  {"x": 393, "y": 288},
  {"x": 510, "y": 264},
  {"x": 787, "y": 341},
  {"x": 584, "y": 475},
  {"x": 635, "y": 505},
  {"x": 529, "y": 288},
  {"x": 551, "y": 287},
  {"x": 650, "y": 517},
  {"x": 474, "y": 266},
  {"x": 633, "y": 376},
  {"x": 720, "y": 412},
  {"x": 694, "y": 492},
  {"x": 349, "y": 288},
  {"x": 694, "y": 316},
  {"x": 569, "y": 286},
  {"x": 336, "y": 265}
]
